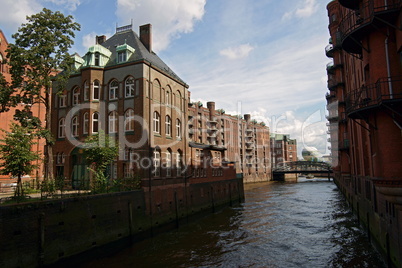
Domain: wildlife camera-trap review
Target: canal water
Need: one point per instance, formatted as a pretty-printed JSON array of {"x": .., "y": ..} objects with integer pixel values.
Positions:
[{"x": 302, "y": 224}]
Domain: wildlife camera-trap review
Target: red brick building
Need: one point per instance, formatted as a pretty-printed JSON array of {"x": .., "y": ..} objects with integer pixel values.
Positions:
[
  {"x": 7, "y": 118},
  {"x": 229, "y": 138},
  {"x": 284, "y": 149},
  {"x": 365, "y": 113}
]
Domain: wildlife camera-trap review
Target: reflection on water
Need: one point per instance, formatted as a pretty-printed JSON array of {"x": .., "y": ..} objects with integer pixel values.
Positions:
[{"x": 304, "y": 224}]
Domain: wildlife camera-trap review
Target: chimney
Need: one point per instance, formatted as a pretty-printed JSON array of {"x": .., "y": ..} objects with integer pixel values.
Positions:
[
  {"x": 247, "y": 117},
  {"x": 211, "y": 108},
  {"x": 146, "y": 36},
  {"x": 100, "y": 39}
]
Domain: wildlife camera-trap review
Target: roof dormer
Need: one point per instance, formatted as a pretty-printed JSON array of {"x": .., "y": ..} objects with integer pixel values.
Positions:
[
  {"x": 97, "y": 55},
  {"x": 124, "y": 52}
]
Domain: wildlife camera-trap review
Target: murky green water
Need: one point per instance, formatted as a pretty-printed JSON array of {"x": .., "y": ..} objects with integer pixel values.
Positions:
[{"x": 303, "y": 224}]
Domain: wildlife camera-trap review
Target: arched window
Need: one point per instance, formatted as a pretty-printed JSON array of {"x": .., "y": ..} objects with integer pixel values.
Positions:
[
  {"x": 157, "y": 128},
  {"x": 156, "y": 91},
  {"x": 86, "y": 91},
  {"x": 95, "y": 123},
  {"x": 157, "y": 163},
  {"x": 113, "y": 90},
  {"x": 62, "y": 128},
  {"x": 179, "y": 102},
  {"x": 129, "y": 87},
  {"x": 178, "y": 128},
  {"x": 95, "y": 90},
  {"x": 129, "y": 120},
  {"x": 168, "y": 97},
  {"x": 113, "y": 123},
  {"x": 76, "y": 96},
  {"x": 168, "y": 163},
  {"x": 74, "y": 126},
  {"x": 178, "y": 162},
  {"x": 168, "y": 126},
  {"x": 86, "y": 123}
]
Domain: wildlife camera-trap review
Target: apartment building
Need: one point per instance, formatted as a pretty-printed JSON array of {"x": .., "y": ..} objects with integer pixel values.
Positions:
[
  {"x": 284, "y": 149},
  {"x": 365, "y": 114},
  {"x": 217, "y": 137}
]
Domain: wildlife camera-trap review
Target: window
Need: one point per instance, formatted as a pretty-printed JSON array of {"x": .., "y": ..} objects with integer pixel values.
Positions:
[
  {"x": 74, "y": 126},
  {"x": 168, "y": 163},
  {"x": 129, "y": 87},
  {"x": 97, "y": 59},
  {"x": 122, "y": 56},
  {"x": 168, "y": 126},
  {"x": 113, "y": 90},
  {"x": 1, "y": 63},
  {"x": 95, "y": 123},
  {"x": 157, "y": 163},
  {"x": 113, "y": 122},
  {"x": 86, "y": 91},
  {"x": 86, "y": 123},
  {"x": 76, "y": 96},
  {"x": 156, "y": 122},
  {"x": 178, "y": 163},
  {"x": 62, "y": 128},
  {"x": 167, "y": 97},
  {"x": 178, "y": 128},
  {"x": 62, "y": 100},
  {"x": 129, "y": 120},
  {"x": 95, "y": 90}
]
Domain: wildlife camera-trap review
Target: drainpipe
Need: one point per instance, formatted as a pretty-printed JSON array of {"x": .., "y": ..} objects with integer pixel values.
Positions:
[{"x": 391, "y": 93}]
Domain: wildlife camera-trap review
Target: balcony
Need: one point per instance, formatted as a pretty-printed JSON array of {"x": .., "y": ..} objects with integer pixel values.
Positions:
[
  {"x": 331, "y": 67},
  {"x": 362, "y": 101},
  {"x": 329, "y": 51},
  {"x": 352, "y": 4},
  {"x": 334, "y": 83},
  {"x": 330, "y": 96},
  {"x": 371, "y": 16}
]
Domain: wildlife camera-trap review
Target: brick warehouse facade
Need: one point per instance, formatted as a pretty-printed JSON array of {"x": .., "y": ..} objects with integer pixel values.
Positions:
[
  {"x": 229, "y": 139},
  {"x": 365, "y": 114},
  {"x": 6, "y": 118}
]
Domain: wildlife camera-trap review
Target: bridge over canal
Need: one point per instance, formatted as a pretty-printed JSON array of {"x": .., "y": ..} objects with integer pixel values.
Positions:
[{"x": 301, "y": 167}]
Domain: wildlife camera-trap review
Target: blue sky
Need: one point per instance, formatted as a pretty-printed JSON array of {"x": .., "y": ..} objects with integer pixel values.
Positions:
[{"x": 263, "y": 57}]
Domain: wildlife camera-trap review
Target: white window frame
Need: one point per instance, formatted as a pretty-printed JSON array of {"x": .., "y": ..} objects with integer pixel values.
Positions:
[
  {"x": 129, "y": 120},
  {"x": 178, "y": 128},
  {"x": 95, "y": 122},
  {"x": 96, "y": 89},
  {"x": 157, "y": 163},
  {"x": 167, "y": 97},
  {"x": 62, "y": 100},
  {"x": 62, "y": 128},
  {"x": 114, "y": 90},
  {"x": 85, "y": 123},
  {"x": 168, "y": 163},
  {"x": 168, "y": 126},
  {"x": 113, "y": 122},
  {"x": 122, "y": 56},
  {"x": 86, "y": 91},
  {"x": 129, "y": 88},
  {"x": 76, "y": 96},
  {"x": 74, "y": 126},
  {"x": 156, "y": 121}
]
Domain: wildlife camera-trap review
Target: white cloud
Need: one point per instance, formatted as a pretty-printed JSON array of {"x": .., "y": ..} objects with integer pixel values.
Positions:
[
  {"x": 309, "y": 8},
  {"x": 239, "y": 52},
  {"x": 69, "y": 4},
  {"x": 14, "y": 13},
  {"x": 168, "y": 18}
]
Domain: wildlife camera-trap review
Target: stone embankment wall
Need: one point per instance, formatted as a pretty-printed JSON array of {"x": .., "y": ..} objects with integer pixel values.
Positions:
[{"x": 41, "y": 233}]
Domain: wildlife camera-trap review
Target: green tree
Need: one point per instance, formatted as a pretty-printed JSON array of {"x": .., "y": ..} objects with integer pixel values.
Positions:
[
  {"x": 40, "y": 51},
  {"x": 100, "y": 150},
  {"x": 17, "y": 158}
]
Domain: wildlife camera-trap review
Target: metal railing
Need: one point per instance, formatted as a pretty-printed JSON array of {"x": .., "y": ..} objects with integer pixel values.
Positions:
[{"x": 388, "y": 88}]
